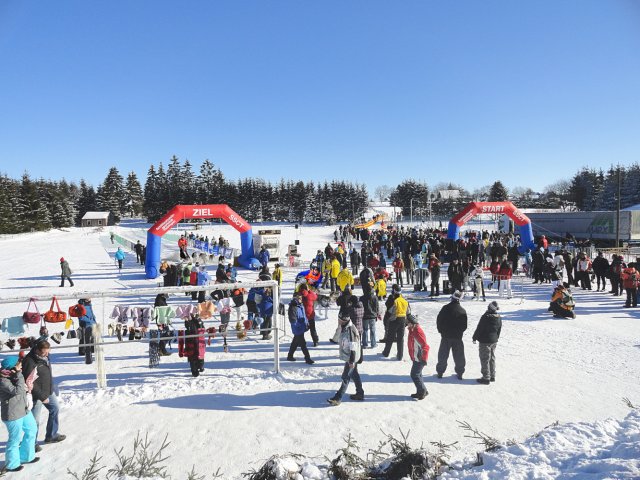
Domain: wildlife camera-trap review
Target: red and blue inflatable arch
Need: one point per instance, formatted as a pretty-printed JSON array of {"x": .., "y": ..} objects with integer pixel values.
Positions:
[
  {"x": 179, "y": 213},
  {"x": 500, "y": 208}
]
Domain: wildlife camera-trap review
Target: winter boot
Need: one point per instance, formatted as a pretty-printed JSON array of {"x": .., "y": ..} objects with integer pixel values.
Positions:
[
  {"x": 334, "y": 401},
  {"x": 359, "y": 397},
  {"x": 483, "y": 381}
]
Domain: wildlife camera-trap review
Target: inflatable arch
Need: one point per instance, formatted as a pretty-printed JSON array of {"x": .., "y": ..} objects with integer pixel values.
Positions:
[
  {"x": 180, "y": 212},
  {"x": 507, "y": 208}
]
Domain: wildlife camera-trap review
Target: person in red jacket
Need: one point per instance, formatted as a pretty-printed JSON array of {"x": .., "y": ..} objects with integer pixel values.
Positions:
[
  {"x": 182, "y": 245},
  {"x": 418, "y": 352},
  {"x": 398, "y": 268},
  {"x": 630, "y": 280},
  {"x": 505, "y": 273},
  {"x": 308, "y": 299}
]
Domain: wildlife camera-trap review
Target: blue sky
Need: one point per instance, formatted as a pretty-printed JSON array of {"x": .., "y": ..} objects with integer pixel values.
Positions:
[{"x": 369, "y": 91}]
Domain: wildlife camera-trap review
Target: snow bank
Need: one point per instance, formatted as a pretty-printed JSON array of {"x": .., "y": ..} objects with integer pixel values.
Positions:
[{"x": 601, "y": 449}]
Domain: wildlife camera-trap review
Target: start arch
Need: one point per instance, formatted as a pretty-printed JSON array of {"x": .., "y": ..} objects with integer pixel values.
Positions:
[
  {"x": 179, "y": 213},
  {"x": 507, "y": 208}
]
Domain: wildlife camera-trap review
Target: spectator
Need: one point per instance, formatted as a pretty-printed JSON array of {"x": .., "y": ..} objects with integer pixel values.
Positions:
[
  {"x": 451, "y": 324},
  {"x": 487, "y": 333},
  {"x": 65, "y": 272},
  {"x": 42, "y": 390},
  {"x": 418, "y": 352}
]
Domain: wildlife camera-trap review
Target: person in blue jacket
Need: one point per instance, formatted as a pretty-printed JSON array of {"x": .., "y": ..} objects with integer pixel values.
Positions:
[
  {"x": 299, "y": 325},
  {"x": 85, "y": 336},
  {"x": 266, "y": 312},
  {"x": 203, "y": 279},
  {"x": 119, "y": 257},
  {"x": 263, "y": 256}
]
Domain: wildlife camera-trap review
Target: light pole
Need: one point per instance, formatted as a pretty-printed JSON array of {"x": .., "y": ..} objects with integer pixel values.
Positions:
[{"x": 618, "y": 213}]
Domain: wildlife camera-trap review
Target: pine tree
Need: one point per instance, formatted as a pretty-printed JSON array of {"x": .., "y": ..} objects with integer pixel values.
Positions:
[
  {"x": 31, "y": 207},
  {"x": 111, "y": 195},
  {"x": 134, "y": 198},
  {"x": 498, "y": 192},
  {"x": 174, "y": 193},
  {"x": 164, "y": 199},
  {"x": 8, "y": 194},
  {"x": 86, "y": 201},
  {"x": 150, "y": 208},
  {"x": 188, "y": 184}
]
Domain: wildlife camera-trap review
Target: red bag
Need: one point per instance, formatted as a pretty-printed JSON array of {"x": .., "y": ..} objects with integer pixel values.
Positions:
[
  {"x": 57, "y": 316},
  {"x": 77, "y": 311},
  {"x": 31, "y": 317}
]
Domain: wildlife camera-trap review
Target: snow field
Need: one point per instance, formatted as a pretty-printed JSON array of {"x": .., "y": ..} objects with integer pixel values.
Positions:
[{"x": 239, "y": 413}]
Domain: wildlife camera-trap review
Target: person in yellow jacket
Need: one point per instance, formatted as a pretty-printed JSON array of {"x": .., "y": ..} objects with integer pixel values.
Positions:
[
  {"x": 344, "y": 279},
  {"x": 335, "y": 271},
  {"x": 326, "y": 272},
  {"x": 381, "y": 289},
  {"x": 397, "y": 326},
  {"x": 277, "y": 276}
]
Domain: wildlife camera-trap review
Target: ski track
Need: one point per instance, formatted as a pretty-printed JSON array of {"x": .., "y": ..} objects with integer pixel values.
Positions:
[{"x": 239, "y": 413}]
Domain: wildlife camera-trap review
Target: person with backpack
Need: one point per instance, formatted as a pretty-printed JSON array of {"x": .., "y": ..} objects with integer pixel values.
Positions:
[
  {"x": 395, "y": 332},
  {"x": 21, "y": 426},
  {"x": 451, "y": 324},
  {"x": 119, "y": 256},
  {"x": 65, "y": 272},
  {"x": 87, "y": 323},
  {"x": 419, "y": 353},
  {"x": 299, "y": 325},
  {"x": 42, "y": 388},
  {"x": 630, "y": 280},
  {"x": 487, "y": 333},
  {"x": 562, "y": 303},
  {"x": 350, "y": 351}
]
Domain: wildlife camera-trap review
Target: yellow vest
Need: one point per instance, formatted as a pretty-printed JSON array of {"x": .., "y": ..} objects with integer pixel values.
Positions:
[
  {"x": 381, "y": 287},
  {"x": 335, "y": 268},
  {"x": 344, "y": 278},
  {"x": 401, "y": 307}
]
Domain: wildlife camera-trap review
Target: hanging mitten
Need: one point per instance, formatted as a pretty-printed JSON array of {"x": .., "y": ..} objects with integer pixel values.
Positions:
[
  {"x": 119, "y": 332},
  {"x": 110, "y": 329},
  {"x": 247, "y": 324},
  {"x": 56, "y": 337},
  {"x": 132, "y": 333},
  {"x": 11, "y": 343}
]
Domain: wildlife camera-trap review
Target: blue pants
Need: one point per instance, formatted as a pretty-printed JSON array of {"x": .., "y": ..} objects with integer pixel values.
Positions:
[
  {"x": 21, "y": 443},
  {"x": 347, "y": 375},
  {"x": 369, "y": 330},
  {"x": 416, "y": 376},
  {"x": 52, "y": 422}
]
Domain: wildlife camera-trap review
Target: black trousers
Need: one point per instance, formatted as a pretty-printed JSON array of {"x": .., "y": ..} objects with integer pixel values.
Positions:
[
  {"x": 395, "y": 333},
  {"x": 298, "y": 341},
  {"x": 632, "y": 297}
]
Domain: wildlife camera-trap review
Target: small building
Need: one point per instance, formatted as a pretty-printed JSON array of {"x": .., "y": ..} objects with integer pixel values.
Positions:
[{"x": 95, "y": 219}]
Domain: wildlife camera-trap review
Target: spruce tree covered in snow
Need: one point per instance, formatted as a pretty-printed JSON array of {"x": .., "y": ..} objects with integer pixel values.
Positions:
[
  {"x": 134, "y": 198},
  {"x": 111, "y": 194},
  {"x": 408, "y": 189},
  {"x": 630, "y": 189},
  {"x": 151, "y": 195},
  {"x": 498, "y": 192},
  {"x": 175, "y": 189},
  {"x": 86, "y": 201},
  {"x": 8, "y": 199},
  {"x": 210, "y": 185},
  {"x": 189, "y": 184},
  {"x": 609, "y": 198},
  {"x": 31, "y": 206}
]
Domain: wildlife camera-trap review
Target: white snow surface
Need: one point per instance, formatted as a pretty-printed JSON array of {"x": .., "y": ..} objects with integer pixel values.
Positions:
[{"x": 239, "y": 412}]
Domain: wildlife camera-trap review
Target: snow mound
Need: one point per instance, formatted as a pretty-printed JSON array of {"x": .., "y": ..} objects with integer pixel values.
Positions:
[{"x": 601, "y": 449}]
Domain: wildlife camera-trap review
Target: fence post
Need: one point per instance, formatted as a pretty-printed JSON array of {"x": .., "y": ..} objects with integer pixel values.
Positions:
[{"x": 276, "y": 331}]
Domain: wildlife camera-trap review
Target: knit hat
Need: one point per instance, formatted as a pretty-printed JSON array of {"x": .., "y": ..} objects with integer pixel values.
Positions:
[
  {"x": 493, "y": 307},
  {"x": 10, "y": 362},
  {"x": 457, "y": 295},
  {"x": 412, "y": 320},
  {"x": 396, "y": 288},
  {"x": 61, "y": 259}
]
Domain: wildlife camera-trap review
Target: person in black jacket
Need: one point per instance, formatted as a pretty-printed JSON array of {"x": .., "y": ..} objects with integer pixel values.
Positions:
[
  {"x": 455, "y": 274},
  {"x": 487, "y": 333},
  {"x": 600, "y": 268},
  {"x": 371, "y": 314},
  {"x": 42, "y": 392},
  {"x": 451, "y": 323}
]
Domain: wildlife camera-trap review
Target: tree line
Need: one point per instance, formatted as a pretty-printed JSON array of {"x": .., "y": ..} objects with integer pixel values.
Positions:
[{"x": 34, "y": 205}]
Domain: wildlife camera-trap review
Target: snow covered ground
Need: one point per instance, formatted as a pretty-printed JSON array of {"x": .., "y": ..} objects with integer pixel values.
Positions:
[{"x": 239, "y": 413}]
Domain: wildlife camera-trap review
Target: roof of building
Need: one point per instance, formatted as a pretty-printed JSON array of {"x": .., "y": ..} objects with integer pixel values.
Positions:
[{"x": 96, "y": 216}]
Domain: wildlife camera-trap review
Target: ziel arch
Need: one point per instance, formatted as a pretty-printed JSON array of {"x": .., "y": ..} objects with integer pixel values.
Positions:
[{"x": 179, "y": 213}]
